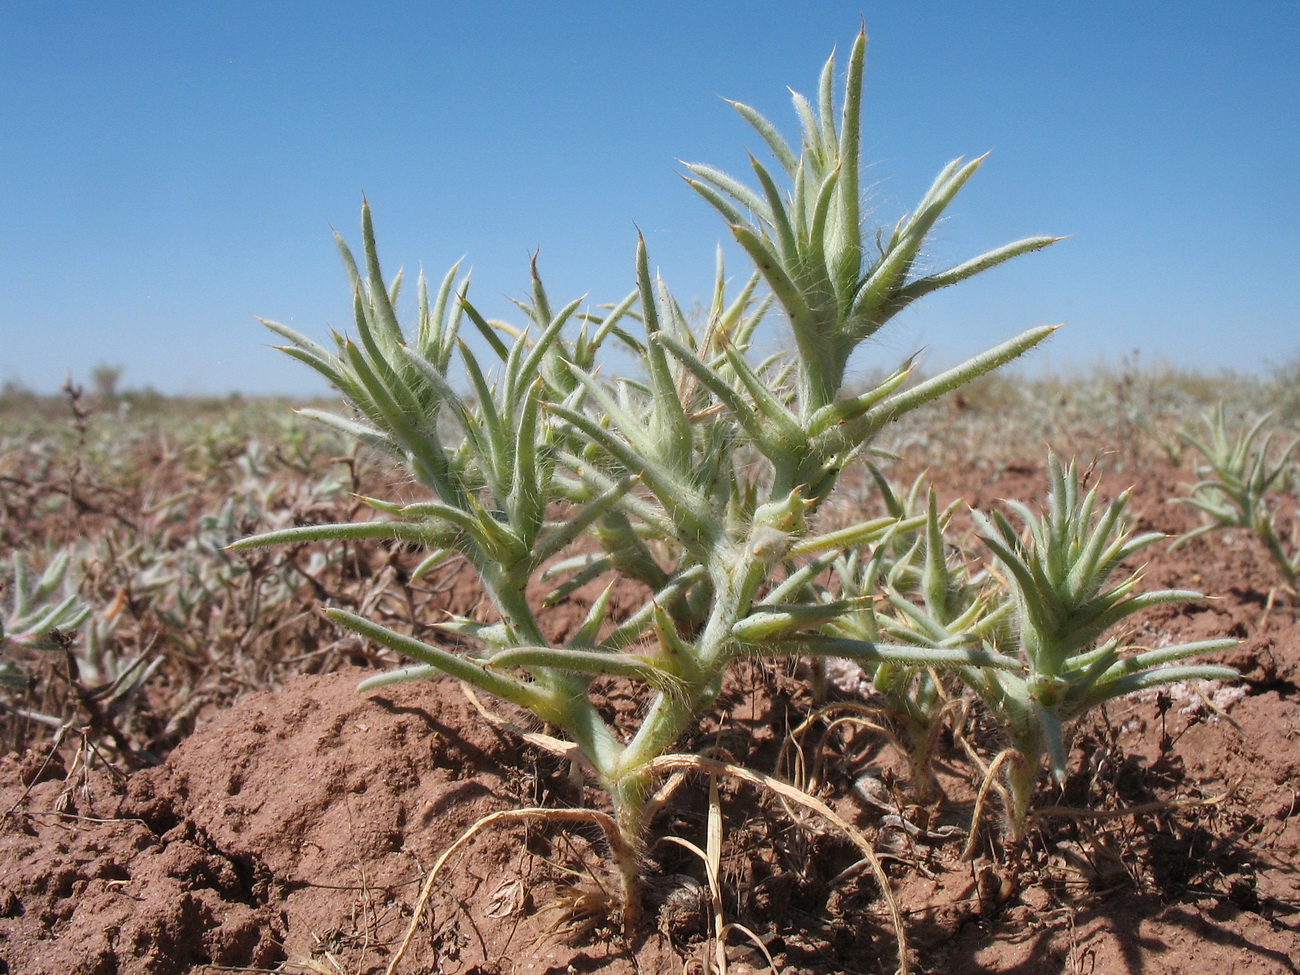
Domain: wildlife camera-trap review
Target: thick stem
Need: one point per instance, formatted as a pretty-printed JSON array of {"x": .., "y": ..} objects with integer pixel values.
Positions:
[
  {"x": 923, "y": 737},
  {"x": 666, "y": 719},
  {"x": 629, "y": 798},
  {"x": 1022, "y": 781},
  {"x": 819, "y": 377},
  {"x": 574, "y": 711},
  {"x": 671, "y": 711}
]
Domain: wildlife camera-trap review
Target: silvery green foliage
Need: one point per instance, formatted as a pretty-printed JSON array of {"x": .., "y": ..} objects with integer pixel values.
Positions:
[
  {"x": 1243, "y": 484},
  {"x": 1060, "y": 569},
  {"x": 39, "y": 608},
  {"x": 919, "y": 589},
  {"x": 46, "y": 614},
  {"x": 700, "y": 480}
]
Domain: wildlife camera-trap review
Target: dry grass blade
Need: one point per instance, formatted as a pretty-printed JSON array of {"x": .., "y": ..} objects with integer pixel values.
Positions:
[
  {"x": 709, "y": 766},
  {"x": 1164, "y": 805},
  {"x": 665, "y": 792},
  {"x": 757, "y": 941},
  {"x": 309, "y": 966},
  {"x": 714, "y": 862},
  {"x": 851, "y": 713},
  {"x": 715, "y": 900},
  {"x": 603, "y": 820},
  {"x": 990, "y": 781},
  {"x": 711, "y": 856}
]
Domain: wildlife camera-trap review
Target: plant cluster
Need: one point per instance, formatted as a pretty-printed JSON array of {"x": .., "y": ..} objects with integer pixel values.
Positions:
[
  {"x": 1058, "y": 571},
  {"x": 120, "y": 573},
  {"x": 1043, "y": 607},
  {"x": 702, "y": 482},
  {"x": 1246, "y": 484}
]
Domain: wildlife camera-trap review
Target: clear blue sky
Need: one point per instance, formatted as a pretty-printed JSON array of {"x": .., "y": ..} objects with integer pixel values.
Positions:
[{"x": 170, "y": 170}]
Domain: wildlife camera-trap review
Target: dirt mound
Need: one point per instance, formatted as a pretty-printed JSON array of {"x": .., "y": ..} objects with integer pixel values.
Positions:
[{"x": 296, "y": 825}]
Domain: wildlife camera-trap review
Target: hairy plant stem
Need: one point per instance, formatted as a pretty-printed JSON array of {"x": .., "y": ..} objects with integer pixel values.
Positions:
[
  {"x": 626, "y": 785},
  {"x": 1022, "y": 780},
  {"x": 671, "y": 711},
  {"x": 735, "y": 581},
  {"x": 628, "y": 795},
  {"x": 1286, "y": 563},
  {"x": 573, "y": 711}
]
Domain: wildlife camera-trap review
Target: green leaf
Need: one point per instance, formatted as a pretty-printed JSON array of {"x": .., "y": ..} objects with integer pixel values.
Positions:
[
  {"x": 487, "y": 331},
  {"x": 404, "y": 531},
  {"x": 855, "y": 431},
  {"x": 588, "y": 515},
  {"x": 773, "y": 620},
  {"x": 735, "y": 189},
  {"x": 472, "y": 673},
  {"x": 778, "y": 218},
  {"x": 967, "y": 269},
  {"x": 889, "y": 274},
  {"x": 379, "y": 297},
  {"x": 780, "y": 148},
  {"x": 769, "y": 263},
  {"x": 592, "y": 663}
]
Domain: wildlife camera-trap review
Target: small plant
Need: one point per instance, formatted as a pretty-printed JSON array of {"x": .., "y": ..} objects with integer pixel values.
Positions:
[
  {"x": 102, "y": 683},
  {"x": 1242, "y": 482},
  {"x": 930, "y": 596},
  {"x": 40, "y": 610},
  {"x": 1058, "y": 570},
  {"x": 700, "y": 482}
]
